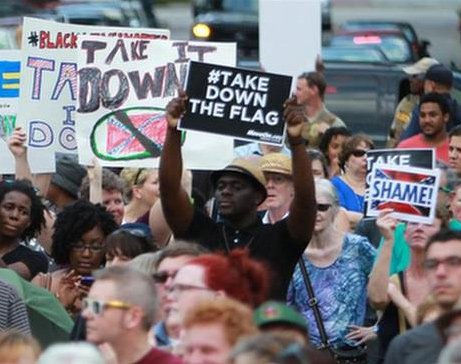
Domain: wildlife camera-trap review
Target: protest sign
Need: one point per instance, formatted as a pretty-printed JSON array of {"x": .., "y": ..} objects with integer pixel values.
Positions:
[
  {"x": 410, "y": 192},
  {"x": 290, "y": 35},
  {"x": 9, "y": 95},
  {"x": 420, "y": 158},
  {"x": 122, "y": 96},
  {"x": 243, "y": 104},
  {"x": 49, "y": 78}
]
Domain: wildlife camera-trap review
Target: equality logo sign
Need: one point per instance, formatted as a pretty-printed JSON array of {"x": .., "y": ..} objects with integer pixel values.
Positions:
[
  {"x": 238, "y": 103},
  {"x": 410, "y": 192}
]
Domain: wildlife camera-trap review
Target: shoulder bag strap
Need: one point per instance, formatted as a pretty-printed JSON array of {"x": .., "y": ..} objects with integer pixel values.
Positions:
[{"x": 314, "y": 304}]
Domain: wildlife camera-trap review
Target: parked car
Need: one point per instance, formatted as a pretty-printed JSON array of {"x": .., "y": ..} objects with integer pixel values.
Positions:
[
  {"x": 354, "y": 54},
  {"x": 394, "y": 44},
  {"x": 419, "y": 46}
]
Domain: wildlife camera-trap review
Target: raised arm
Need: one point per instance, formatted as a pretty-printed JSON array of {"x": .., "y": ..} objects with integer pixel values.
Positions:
[
  {"x": 303, "y": 210},
  {"x": 176, "y": 205},
  {"x": 95, "y": 179},
  {"x": 16, "y": 144},
  {"x": 379, "y": 278}
]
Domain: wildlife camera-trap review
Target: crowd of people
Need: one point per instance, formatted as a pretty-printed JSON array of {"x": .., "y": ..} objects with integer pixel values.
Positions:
[{"x": 277, "y": 265}]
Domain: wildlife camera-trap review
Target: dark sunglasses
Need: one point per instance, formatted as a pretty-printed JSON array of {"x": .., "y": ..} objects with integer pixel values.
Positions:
[
  {"x": 358, "y": 153},
  {"x": 161, "y": 277},
  {"x": 139, "y": 233},
  {"x": 323, "y": 206}
]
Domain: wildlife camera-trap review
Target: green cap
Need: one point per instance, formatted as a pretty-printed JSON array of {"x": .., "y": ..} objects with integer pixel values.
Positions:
[{"x": 276, "y": 312}]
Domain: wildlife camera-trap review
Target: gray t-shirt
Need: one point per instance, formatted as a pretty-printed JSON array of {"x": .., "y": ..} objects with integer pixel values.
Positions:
[{"x": 421, "y": 345}]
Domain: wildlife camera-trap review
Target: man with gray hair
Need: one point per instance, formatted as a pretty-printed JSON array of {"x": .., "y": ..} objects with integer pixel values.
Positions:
[{"x": 120, "y": 310}]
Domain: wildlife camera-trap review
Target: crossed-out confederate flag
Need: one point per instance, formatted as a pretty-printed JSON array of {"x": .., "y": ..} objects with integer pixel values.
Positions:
[{"x": 120, "y": 141}]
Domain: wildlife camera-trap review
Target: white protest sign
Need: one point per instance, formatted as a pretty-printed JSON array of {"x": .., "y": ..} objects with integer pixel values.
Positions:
[
  {"x": 289, "y": 35},
  {"x": 10, "y": 66},
  {"x": 410, "y": 192},
  {"x": 121, "y": 101},
  {"x": 49, "y": 78}
]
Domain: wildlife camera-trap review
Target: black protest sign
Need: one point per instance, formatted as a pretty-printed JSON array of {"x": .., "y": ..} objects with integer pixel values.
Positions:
[
  {"x": 238, "y": 103},
  {"x": 420, "y": 158}
]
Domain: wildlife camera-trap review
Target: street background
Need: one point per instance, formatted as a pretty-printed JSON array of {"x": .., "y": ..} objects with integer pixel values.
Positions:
[{"x": 436, "y": 21}]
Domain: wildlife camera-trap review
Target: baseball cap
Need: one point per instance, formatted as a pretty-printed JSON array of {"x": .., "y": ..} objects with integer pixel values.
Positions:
[
  {"x": 439, "y": 74},
  {"x": 276, "y": 312},
  {"x": 247, "y": 169},
  {"x": 69, "y": 174},
  {"x": 420, "y": 67},
  {"x": 276, "y": 163}
]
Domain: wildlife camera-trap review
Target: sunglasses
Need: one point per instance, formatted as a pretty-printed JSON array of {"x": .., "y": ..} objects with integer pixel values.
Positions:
[
  {"x": 139, "y": 233},
  {"x": 358, "y": 153},
  {"x": 97, "y": 307},
  {"x": 162, "y": 277},
  {"x": 323, "y": 206},
  {"x": 138, "y": 174}
]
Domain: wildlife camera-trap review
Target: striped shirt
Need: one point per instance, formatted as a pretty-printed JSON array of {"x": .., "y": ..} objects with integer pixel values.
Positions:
[{"x": 13, "y": 312}]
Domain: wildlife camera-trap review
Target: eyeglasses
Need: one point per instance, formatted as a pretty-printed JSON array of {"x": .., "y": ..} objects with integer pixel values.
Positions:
[
  {"x": 277, "y": 179},
  {"x": 161, "y": 277},
  {"x": 358, "y": 153},
  {"x": 450, "y": 262},
  {"x": 97, "y": 307},
  {"x": 323, "y": 206},
  {"x": 179, "y": 288},
  {"x": 80, "y": 247}
]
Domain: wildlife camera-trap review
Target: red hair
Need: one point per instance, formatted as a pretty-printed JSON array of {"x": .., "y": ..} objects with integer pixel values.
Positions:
[{"x": 239, "y": 276}]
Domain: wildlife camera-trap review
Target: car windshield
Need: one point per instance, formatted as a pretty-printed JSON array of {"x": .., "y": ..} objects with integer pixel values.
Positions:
[
  {"x": 240, "y": 6},
  {"x": 395, "y": 48},
  {"x": 352, "y": 54}
]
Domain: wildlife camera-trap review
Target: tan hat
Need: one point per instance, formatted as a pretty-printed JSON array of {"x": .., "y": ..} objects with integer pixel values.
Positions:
[
  {"x": 420, "y": 67},
  {"x": 247, "y": 169},
  {"x": 276, "y": 163}
]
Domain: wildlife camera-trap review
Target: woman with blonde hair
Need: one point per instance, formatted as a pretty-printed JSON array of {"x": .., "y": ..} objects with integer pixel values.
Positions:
[{"x": 142, "y": 192}]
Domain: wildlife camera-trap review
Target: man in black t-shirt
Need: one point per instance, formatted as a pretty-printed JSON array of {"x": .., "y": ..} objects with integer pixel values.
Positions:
[{"x": 239, "y": 189}]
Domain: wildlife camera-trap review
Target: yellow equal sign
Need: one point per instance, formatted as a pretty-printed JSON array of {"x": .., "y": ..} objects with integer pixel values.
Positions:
[{"x": 10, "y": 76}]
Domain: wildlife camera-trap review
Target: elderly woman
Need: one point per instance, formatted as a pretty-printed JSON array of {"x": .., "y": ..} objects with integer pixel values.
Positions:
[
  {"x": 351, "y": 184},
  {"x": 142, "y": 192},
  {"x": 338, "y": 265}
]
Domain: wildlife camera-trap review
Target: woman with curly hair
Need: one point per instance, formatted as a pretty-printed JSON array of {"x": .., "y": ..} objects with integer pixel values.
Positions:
[
  {"x": 79, "y": 248},
  {"x": 21, "y": 219}
]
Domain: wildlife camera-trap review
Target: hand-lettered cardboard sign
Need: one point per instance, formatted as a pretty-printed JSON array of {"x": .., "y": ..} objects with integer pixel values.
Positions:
[
  {"x": 242, "y": 104},
  {"x": 48, "y": 99},
  {"x": 122, "y": 96},
  {"x": 420, "y": 158},
  {"x": 10, "y": 66},
  {"x": 410, "y": 192}
]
